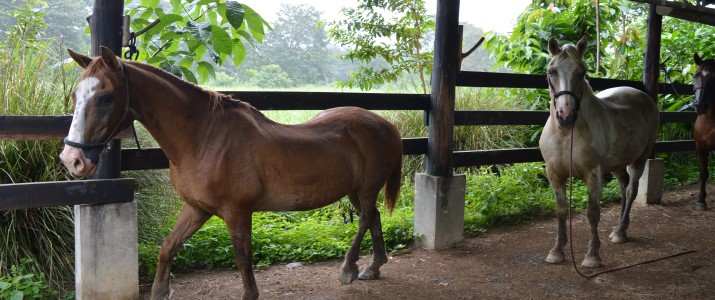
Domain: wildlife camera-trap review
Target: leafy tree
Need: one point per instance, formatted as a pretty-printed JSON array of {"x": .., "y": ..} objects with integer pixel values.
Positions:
[
  {"x": 299, "y": 45},
  {"x": 196, "y": 35},
  {"x": 479, "y": 60},
  {"x": 392, "y": 30},
  {"x": 270, "y": 76}
]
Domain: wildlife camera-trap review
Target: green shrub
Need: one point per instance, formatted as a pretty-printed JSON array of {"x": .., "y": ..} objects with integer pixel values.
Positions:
[
  {"x": 21, "y": 283},
  {"x": 33, "y": 81}
]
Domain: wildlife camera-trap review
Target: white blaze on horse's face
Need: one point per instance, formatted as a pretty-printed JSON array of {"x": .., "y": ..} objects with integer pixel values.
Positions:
[
  {"x": 73, "y": 158},
  {"x": 85, "y": 91}
]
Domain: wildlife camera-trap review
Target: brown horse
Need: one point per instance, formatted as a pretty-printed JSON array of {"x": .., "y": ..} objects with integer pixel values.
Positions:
[
  {"x": 613, "y": 131},
  {"x": 704, "y": 130},
  {"x": 229, "y": 160}
]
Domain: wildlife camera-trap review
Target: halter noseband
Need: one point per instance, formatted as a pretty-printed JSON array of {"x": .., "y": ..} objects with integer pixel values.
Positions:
[
  {"x": 103, "y": 145},
  {"x": 564, "y": 92}
]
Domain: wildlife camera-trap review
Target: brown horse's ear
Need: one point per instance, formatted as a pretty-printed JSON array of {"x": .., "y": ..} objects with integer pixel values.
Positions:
[
  {"x": 82, "y": 60},
  {"x": 554, "y": 47},
  {"x": 582, "y": 45},
  {"x": 698, "y": 60},
  {"x": 110, "y": 59}
]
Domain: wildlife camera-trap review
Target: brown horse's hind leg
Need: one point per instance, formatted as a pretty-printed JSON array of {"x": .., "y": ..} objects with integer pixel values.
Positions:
[
  {"x": 701, "y": 205},
  {"x": 239, "y": 227},
  {"x": 379, "y": 255},
  {"x": 349, "y": 269},
  {"x": 190, "y": 220}
]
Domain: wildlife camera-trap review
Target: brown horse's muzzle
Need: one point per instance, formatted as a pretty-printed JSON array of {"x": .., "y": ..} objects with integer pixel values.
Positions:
[{"x": 76, "y": 162}]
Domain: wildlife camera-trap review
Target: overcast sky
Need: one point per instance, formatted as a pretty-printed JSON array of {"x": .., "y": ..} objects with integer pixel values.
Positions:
[{"x": 487, "y": 14}]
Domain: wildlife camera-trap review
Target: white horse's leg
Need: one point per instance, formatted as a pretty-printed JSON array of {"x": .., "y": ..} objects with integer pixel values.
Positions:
[
  {"x": 635, "y": 171},
  {"x": 558, "y": 185},
  {"x": 594, "y": 183}
]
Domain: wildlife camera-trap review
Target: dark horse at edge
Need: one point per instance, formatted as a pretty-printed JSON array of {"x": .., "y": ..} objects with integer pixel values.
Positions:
[{"x": 704, "y": 129}]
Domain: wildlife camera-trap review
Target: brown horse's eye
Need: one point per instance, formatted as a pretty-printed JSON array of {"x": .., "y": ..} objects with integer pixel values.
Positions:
[{"x": 105, "y": 99}]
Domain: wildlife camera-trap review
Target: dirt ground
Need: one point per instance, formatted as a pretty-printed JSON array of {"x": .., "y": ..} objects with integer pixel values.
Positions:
[{"x": 508, "y": 263}]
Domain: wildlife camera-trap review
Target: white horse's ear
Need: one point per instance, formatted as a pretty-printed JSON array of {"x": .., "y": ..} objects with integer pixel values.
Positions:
[
  {"x": 698, "y": 60},
  {"x": 82, "y": 60},
  {"x": 554, "y": 47},
  {"x": 582, "y": 45},
  {"x": 110, "y": 59}
]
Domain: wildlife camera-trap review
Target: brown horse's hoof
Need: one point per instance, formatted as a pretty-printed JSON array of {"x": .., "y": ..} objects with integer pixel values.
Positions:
[
  {"x": 368, "y": 274},
  {"x": 701, "y": 206},
  {"x": 347, "y": 277}
]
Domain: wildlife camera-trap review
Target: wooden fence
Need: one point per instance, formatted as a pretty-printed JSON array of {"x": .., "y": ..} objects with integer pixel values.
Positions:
[{"x": 56, "y": 127}]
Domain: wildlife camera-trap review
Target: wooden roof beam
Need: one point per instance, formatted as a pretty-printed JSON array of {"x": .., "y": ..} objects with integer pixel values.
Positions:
[{"x": 683, "y": 10}]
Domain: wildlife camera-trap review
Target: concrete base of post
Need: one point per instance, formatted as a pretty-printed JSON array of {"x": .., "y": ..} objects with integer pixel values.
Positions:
[
  {"x": 650, "y": 186},
  {"x": 439, "y": 210},
  {"x": 106, "y": 254}
]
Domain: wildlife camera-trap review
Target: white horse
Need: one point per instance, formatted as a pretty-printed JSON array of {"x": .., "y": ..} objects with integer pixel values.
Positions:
[{"x": 613, "y": 131}]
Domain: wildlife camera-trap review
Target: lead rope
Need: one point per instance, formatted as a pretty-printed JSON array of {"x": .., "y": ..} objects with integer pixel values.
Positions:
[{"x": 573, "y": 258}]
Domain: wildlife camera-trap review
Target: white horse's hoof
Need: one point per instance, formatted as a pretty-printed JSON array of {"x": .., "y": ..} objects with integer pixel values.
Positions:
[
  {"x": 368, "y": 274},
  {"x": 554, "y": 258},
  {"x": 590, "y": 262},
  {"x": 347, "y": 277},
  {"x": 618, "y": 237}
]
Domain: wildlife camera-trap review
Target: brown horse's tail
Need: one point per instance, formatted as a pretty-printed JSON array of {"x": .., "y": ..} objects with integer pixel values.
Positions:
[{"x": 392, "y": 187}]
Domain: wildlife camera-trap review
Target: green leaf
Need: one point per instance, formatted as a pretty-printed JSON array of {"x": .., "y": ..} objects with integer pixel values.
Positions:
[
  {"x": 150, "y": 3},
  {"x": 239, "y": 52},
  {"x": 18, "y": 295},
  {"x": 201, "y": 31},
  {"x": 255, "y": 23},
  {"x": 235, "y": 13},
  {"x": 188, "y": 75},
  {"x": 205, "y": 70},
  {"x": 220, "y": 40}
]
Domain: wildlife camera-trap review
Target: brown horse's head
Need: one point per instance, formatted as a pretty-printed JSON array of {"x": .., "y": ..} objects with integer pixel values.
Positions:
[
  {"x": 704, "y": 83},
  {"x": 566, "y": 75},
  {"x": 101, "y": 111}
]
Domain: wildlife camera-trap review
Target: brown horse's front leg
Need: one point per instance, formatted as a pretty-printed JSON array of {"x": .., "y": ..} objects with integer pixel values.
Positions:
[
  {"x": 556, "y": 254},
  {"x": 239, "y": 227},
  {"x": 701, "y": 205},
  {"x": 594, "y": 183},
  {"x": 190, "y": 220}
]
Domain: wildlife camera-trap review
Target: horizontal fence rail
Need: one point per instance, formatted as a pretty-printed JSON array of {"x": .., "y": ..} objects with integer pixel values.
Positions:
[
  {"x": 56, "y": 127},
  {"x": 538, "y": 81},
  {"x": 56, "y": 193}
]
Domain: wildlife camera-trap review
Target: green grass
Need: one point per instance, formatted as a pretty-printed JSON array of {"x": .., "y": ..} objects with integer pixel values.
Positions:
[{"x": 33, "y": 82}]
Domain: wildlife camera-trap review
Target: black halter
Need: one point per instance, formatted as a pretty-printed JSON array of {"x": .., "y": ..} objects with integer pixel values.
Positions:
[
  {"x": 93, "y": 150},
  {"x": 564, "y": 92}
]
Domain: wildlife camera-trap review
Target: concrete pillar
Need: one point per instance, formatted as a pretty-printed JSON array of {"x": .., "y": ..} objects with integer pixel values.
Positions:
[
  {"x": 439, "y": 210},
  {"x": 106, "y": 251},
  {"x": 650, "y": 186}
]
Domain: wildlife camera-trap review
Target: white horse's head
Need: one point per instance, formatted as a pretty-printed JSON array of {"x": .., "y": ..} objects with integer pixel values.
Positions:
[{"x": 566, "y": 74}]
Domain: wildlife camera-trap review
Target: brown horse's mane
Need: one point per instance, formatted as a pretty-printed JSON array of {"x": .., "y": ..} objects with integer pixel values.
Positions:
[{"x": 219, "y": 100}]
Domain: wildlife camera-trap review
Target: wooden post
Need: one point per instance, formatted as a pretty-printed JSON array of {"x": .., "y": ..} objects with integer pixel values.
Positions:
[
  {"x": 651, "y": 70},
  {"x": 106, "y": 250},
  {"x": 444, "y": 77},
  {"x": 439, "y": 194},
  {"x": 106, "y": 30},
  {"x": 650, "y": 188}
]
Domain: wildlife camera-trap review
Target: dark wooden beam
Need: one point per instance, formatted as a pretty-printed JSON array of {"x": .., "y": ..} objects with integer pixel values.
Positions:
[
  {"x": 47, "y": 194},
  {"x": 325, "y": 100},
  {"x": 447, "y": 49},
  {"x": 683, "y": 10},
  {"x": 39, "y": 128},
  {"x": 538, "y": 81}
]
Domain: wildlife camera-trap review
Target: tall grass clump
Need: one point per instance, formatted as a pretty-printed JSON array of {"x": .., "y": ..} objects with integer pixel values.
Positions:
[{"x": 32, "y": 82}]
